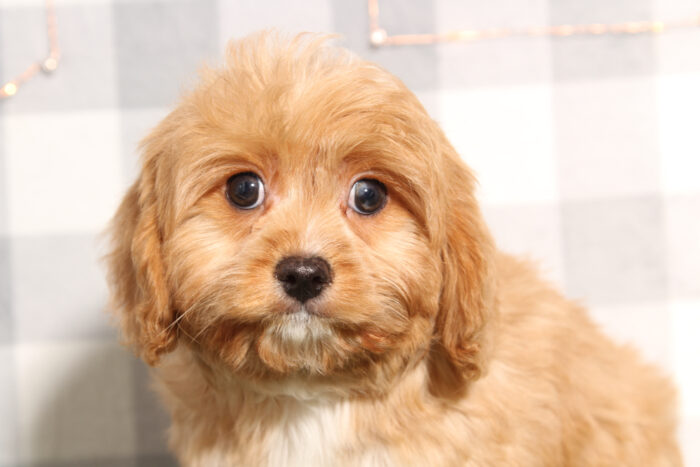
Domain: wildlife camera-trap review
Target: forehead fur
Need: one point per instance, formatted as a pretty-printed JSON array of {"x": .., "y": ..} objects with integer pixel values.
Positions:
[
  {"x": 299, "y": 106},
  {"x": 305, "y": 93}
]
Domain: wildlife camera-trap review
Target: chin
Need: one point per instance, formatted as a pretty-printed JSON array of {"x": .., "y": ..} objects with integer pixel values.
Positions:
[{"x": 303, "y": 263}]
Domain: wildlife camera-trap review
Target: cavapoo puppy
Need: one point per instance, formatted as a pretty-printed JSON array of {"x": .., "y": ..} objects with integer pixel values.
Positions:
[{"x": 303, "y": 262}]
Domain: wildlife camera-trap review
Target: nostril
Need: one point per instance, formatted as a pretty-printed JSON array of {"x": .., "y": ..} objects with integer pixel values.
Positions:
[{"x": 303, "y": 278}]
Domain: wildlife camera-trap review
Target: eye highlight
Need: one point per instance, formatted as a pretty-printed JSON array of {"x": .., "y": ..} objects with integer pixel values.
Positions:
[
  {"x": 245, "y": 190},
  {"x": 367, "y": 196}
]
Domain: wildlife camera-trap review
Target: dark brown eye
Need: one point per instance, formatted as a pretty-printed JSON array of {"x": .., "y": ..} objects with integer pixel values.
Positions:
[
  {"x": 367, "y": 196},
  {"x": 245, "y": 190}
]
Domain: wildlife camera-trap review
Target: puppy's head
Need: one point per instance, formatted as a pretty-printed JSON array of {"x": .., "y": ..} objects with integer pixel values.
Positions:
[{"x": 299, "y": 214}]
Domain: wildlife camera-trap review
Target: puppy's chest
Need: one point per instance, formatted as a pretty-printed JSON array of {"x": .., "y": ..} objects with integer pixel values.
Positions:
[
  {"x": 306, "y": 435},
  {"x": 295, "y": 434}
]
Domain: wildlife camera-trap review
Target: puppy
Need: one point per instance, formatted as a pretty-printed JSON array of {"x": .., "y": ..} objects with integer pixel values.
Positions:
[{"x": 303, "y": 262}]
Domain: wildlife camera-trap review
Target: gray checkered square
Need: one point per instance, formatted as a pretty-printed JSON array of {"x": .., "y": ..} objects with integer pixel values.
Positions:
[
  {"x": 606, "y": 56},
  {"x": 22, "y": 40},
  {"x": 8, "y": 407},
  {"x": 407, "y": 17},
  {"x": 5, "y": 292},
  {"x": 156, "y": 461},
  {"x": 416, "y": 66},
  {"x": 3, "y": 75},
  {"x": 599, "y": 11},
  {"x": 243, "y": 17},
  {"x": 5, "y": 276},
  {"x": 582, "y": 58},
  {"x": 87, "y": 77},
  {"x": 504, "y": 62},
  {"x": 151, "y": 419},
  {"x": 454, "y": 15},
  {"x": 614, "y": 249},
  {"x": 79, "y": 407},
  {"x": 3, "y": 178},
  {"x": 160, "y": 46},
  {"x": 50, "y": 264},
  {"x": 99, "y": 461},
  {"x": 493, "y": 62}
]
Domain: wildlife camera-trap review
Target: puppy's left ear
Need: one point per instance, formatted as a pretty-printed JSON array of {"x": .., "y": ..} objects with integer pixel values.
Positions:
[
  {"x": 467, "y": 302},
  {"x": 137, "y": 276}
]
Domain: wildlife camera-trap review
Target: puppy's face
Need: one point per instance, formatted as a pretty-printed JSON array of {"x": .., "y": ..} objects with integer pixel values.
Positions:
[
  {"x": 299, "y": 214},
  {"x": 302, "y": 249}
]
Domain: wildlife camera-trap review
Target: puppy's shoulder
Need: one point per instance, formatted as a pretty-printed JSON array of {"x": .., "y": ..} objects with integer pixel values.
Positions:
[
  {"x": 562, "y": 362},
  {"x": 524, "y": 295}
]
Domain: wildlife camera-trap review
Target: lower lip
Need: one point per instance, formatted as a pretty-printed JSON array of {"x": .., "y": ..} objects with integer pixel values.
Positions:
[
  {"x": 300, "y": 315},
  {"x": 303, "y": 313}
]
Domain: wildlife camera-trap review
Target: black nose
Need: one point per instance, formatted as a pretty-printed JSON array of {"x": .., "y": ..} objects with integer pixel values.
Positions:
[{"x": 303, "y": 278}]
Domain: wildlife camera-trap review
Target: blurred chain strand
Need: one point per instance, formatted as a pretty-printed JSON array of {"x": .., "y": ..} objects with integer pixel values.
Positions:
[
  {"x": 380, "y": 37},
  {"x": 47, "y": 65}
]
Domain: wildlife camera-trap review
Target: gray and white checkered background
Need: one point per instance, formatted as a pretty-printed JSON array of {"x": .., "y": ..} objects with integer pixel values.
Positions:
[{"x": 587, "y": 149}]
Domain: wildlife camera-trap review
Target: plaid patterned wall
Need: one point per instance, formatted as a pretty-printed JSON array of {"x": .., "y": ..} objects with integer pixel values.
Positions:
[{"x": 587, "y": 150}]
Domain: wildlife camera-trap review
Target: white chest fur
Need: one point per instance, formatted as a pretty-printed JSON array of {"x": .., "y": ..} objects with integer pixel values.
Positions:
[
  {"x": 286, "y": 425},
  {"x": 308, "y": 433}
]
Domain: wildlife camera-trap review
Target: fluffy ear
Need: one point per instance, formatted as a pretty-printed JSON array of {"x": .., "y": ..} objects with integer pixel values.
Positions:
[
  {"x": 137, "y": 277},
  {"x": 467, "y": 299}
]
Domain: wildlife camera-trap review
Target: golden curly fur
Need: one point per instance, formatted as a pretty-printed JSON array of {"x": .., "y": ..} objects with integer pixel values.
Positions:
[{"x": 429, "y": 348}]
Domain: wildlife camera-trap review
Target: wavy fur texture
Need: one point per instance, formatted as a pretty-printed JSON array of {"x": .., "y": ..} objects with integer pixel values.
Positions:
[{"x": 429, "y": 347}]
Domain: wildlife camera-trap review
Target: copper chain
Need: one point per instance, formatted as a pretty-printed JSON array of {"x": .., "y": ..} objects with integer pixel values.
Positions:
[
  {"x": 379, "y": 36},
  {"x": 47, "y": 65}
]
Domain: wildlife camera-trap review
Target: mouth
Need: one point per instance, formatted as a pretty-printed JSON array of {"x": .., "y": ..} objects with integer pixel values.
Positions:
[
  {"x": 303, "y": 311},
  {"x": 303, "y": 324},
  {"x": 301, "y": 315}
]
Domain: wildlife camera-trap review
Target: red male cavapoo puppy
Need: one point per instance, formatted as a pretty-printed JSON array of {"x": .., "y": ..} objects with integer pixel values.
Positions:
[{"x": 304, "y": 263}]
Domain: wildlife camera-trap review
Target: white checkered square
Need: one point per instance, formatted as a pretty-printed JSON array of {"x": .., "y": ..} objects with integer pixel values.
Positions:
[
  {"x": 505, "y": 135},
  {"x": 685, "y": 317},
  {"x": 63, "y": 171},
  {"x": 678, "y": 114},
  {"x": 645, "y": 325},
  {"x": 683, "y": 245},
  {"x": 75, "y": 401},
  {"x": 606, "y": 141},
  {"x": 670, "y": 57},
  {"x": 530, "y": 231},
  {"x": 431, "y": 102},
  {"x": 688, "y": 436}
]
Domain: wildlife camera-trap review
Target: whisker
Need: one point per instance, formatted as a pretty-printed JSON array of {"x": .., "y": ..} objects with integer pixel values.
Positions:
[{"x": 187, "y": 334}]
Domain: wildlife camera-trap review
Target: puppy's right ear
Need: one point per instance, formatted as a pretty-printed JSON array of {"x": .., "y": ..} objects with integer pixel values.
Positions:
[
  {"x": 137, "y": 278},
  {"x": 459, "y": 353}
]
